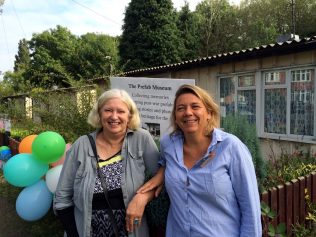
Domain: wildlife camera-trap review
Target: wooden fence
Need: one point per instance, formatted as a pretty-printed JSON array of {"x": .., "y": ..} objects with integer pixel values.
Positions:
[{"x": 288, "y": 199}]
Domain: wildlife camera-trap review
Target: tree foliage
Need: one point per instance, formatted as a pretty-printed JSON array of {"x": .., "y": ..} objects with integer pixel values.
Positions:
[
  {"x": 216, "y": 26},
  {"x": 52, "y": 53},
  {"x": 97, "y": 56},
  {"x": 14, "y": 81},
  {"x": 57, "y": 58},
  {"x": 150, "y": 36},
  {"x": 187, "y": 23},
  {"x": 262, "y": 21},
  {"x": 22, "y": 59}
]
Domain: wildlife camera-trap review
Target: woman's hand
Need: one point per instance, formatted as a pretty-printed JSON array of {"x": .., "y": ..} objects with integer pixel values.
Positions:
[
  {"x": 135, "y": 210},
  {"x": 155, "y": 182}
]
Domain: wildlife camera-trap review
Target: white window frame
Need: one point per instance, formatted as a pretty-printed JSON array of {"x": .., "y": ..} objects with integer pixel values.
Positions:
[
  {"x": 235, "y": 78},
  {"x": 260, "y": 93}
]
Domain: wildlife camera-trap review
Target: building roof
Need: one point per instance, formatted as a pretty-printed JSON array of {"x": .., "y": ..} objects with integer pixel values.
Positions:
[{"x": 279, "y": 48}]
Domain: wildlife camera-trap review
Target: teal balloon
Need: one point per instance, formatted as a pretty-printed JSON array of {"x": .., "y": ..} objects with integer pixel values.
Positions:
[
  {"x": 48, "y": 147},
  {"x": 34, "y": 201},
  {"x": 23, "y": 170}
]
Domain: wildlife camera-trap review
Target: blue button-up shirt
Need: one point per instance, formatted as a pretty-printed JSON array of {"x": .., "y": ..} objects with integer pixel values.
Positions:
[{"x": 218, "y": 196}]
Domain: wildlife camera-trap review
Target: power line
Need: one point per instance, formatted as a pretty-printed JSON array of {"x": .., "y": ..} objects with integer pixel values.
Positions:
[
  {"x": 99, "y": 14},
  {"x": 4, "y": 32},
  {"x": 18, "y": 19},
  {"x": 293, "y": 16}
]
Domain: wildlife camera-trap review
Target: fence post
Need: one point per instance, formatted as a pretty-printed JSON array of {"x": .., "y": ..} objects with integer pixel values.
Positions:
[
  {"x": 313, "y": 191},
  {"x": 264, "y": 219},
  {"x": 302, "y": 202},
  {"x": 1, "y": 138},
  {"x": 274, "y": 204},
  {"x": 6, "y": 138},
  {"x": 289, "y": 204},
  {"x": 281, "y": 204},
  {"x": 295, "y": 205}
]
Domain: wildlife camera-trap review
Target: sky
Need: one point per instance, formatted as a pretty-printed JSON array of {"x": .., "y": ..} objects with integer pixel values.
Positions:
[{"x": 21, "y": 18}]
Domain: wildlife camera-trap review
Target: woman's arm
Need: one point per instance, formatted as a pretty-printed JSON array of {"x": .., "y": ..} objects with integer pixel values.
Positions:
[
  {"x": 155, "y": 183},
  {"x": 246, "y": 189},
  {"x": 63, "y": 199},
  {"x": 136, "y": 208},
  {"x": 67, "y": 218}
]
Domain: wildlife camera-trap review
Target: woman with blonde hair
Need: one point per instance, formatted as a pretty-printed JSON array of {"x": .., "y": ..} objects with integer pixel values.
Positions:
[{"x": 99, "y": 179}]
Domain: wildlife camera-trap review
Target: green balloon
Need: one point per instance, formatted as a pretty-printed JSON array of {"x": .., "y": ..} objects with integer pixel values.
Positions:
[
  {"x": 2, "y": 148},
  {"x": 48, "y": 147}
]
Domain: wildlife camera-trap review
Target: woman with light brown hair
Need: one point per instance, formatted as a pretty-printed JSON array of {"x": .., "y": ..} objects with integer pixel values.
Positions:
[{"x": 209, "y": 174}]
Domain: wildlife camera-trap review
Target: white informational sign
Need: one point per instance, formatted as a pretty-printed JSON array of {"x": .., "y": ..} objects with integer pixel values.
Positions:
[
  {"x": 154, "y": 99},
  {"x": 7, "y": 125}
]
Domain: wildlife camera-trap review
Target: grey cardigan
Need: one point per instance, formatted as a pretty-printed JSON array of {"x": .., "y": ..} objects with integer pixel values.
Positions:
[{"x": 77, "y": 178}]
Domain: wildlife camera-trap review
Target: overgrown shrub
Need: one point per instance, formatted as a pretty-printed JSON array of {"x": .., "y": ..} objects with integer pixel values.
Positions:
[
  {"x": 288, "y": 167},
  {"x": 309, "y": 228},
  {"x": 62, "y": 111},
  {"x": 239, "y": 126}
]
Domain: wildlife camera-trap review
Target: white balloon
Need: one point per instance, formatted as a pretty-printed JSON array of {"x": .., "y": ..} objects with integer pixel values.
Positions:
[{"x": 52, "y": 177}]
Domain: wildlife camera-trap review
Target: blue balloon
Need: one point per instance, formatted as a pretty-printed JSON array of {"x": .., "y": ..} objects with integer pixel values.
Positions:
[
  {"x": 24, "y": 170},
  {"x": 5, "y": 154},
  {"x": 34, "y": 201}
]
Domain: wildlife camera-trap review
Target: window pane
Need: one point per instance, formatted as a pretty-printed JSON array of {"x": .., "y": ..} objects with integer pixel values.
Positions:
[
  {"x": 274, "y": 78},
  {"x": 302, "y": 102},
  {"x": 246, "y": 104},
  {"x": 244, "y": 81},
  {"x": 302, "y": 75},
  {"x": 275, "y": 111},
  {"x": 227, "y": 95}
]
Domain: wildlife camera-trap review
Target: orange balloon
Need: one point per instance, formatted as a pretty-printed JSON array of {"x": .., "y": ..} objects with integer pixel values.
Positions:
[{"x": 26, "y": 144}]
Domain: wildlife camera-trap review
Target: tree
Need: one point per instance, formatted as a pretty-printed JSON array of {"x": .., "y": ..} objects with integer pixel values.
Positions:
[
  {"x": 61, "y": 59},
  {"x": 188, "y": 25},
  {"x": 262, "y": 21},
  {"x": 256, "y": 27},
  {"x": 150, "y": 36},
  {"x": 22, "y": 59},
  {"x": 12, "y": 83},
  {"x": 305, "y": 17},
  {"x": 97, "y": 56},
  {"x": 52, "y": 56},
  {"x": 217, "y": 26}
]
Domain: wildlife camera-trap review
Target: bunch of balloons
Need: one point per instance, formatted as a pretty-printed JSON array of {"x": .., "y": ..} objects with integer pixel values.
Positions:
[
  {"x": 39, "y": 156},
  {"x": 5, "y": 154}
]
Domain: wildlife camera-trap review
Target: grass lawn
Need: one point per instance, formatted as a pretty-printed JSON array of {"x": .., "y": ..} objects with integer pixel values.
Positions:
[{"x": 11, "y": 225}]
